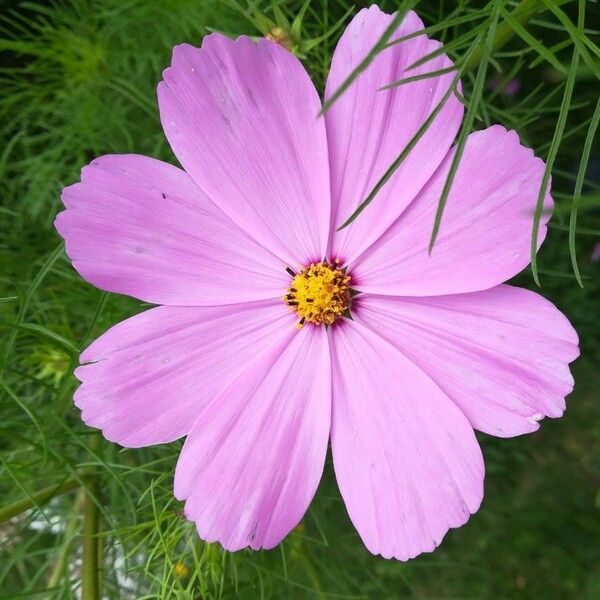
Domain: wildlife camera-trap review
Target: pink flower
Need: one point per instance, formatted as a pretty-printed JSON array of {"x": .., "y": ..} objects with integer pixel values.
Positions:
[
  {"x": 508, "y": 88},
  {"x": 436, "y": 346}
]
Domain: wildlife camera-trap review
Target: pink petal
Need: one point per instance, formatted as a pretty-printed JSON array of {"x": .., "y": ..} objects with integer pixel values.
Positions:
[
  {"x": 138, "y": 226},
  {"x": 501, "y": 355},
  {"x": 154, "y": 373},
  {"x": 485, "y": 233},
  {"x": 406, "y": 459},
  {"x": 241, "y": 118},
  {"x": 367, "y": 128},
  {"x": 251, "y": 464}
]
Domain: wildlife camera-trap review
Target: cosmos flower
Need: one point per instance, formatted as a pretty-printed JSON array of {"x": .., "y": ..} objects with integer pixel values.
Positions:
[
  {"x": 278, "y": 333},
  {"x": 508, "y": 88}
]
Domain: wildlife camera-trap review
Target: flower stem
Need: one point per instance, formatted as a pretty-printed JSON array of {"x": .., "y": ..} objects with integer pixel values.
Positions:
[
  {"x": 90, "y": 565},
  {"x": 38, "y": 498}
]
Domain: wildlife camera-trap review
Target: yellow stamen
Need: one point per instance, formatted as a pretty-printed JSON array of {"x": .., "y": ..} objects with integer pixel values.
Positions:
[{"x": 320, "y": 293}]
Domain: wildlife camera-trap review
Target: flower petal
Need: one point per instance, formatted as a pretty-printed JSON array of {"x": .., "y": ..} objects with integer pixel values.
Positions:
[
  {"x": 155, "y": 372},
  {"x": 241, "y": 118},
  {"x": 367, "y": 127},
  {"x": 406, "y": 459},
  {"x": 501, "y": 355},
  {"x": 138, "y": 226},
  {"x": 485, "y": 233},
  {"x": 251, "y": 464}
]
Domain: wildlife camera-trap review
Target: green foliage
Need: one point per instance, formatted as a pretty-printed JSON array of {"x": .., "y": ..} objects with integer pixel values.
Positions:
[{"x": 77, "y": 80}]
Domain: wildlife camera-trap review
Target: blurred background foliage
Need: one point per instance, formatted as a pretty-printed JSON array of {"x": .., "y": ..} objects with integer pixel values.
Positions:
[{"x": 77, "y": 80}]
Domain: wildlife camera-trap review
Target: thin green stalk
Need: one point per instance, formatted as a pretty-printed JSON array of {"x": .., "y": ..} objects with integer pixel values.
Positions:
[
  {"x": 46, "y": 267},
  {"x": 313, "y": 576},
  {"x": 502, "y": 33},
  {"x": 554, "y": 146},
  {"x": 70, "y": 534},
  {"x": 93, "y": 544},
  {"x": 90, "y": 564},
  {"x": 585, "y": 157},
  {"x": 467, "y": 123},
  {"x": 99, "y": 308},
  {"x": 100, "y": 559},
  {"x": 578, "y": 231},
  {"x": 523, "y": 13},
  {"x": 37, "y": 499},
  {"x": 533, "y": 43},
  {"x": 439, "y": 27},
  {"x": 428, "y": 75},
  {"x": 377, "y": 48},
  {"x": 23, "y": 406},
  {"x": 400, "y": 158},
  {"x": 90, "y": 584},
  {"x": 580, "y": 40}
]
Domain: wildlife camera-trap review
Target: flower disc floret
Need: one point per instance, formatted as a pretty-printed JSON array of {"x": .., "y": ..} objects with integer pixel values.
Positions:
[{"x": 320, "y": 293}]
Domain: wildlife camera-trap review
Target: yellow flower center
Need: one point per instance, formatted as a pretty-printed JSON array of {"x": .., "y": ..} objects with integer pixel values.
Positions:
[{"x": 320, "y": 293}]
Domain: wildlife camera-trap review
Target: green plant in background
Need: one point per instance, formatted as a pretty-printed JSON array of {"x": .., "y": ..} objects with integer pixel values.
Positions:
[{"x": 77, "y": 81}]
